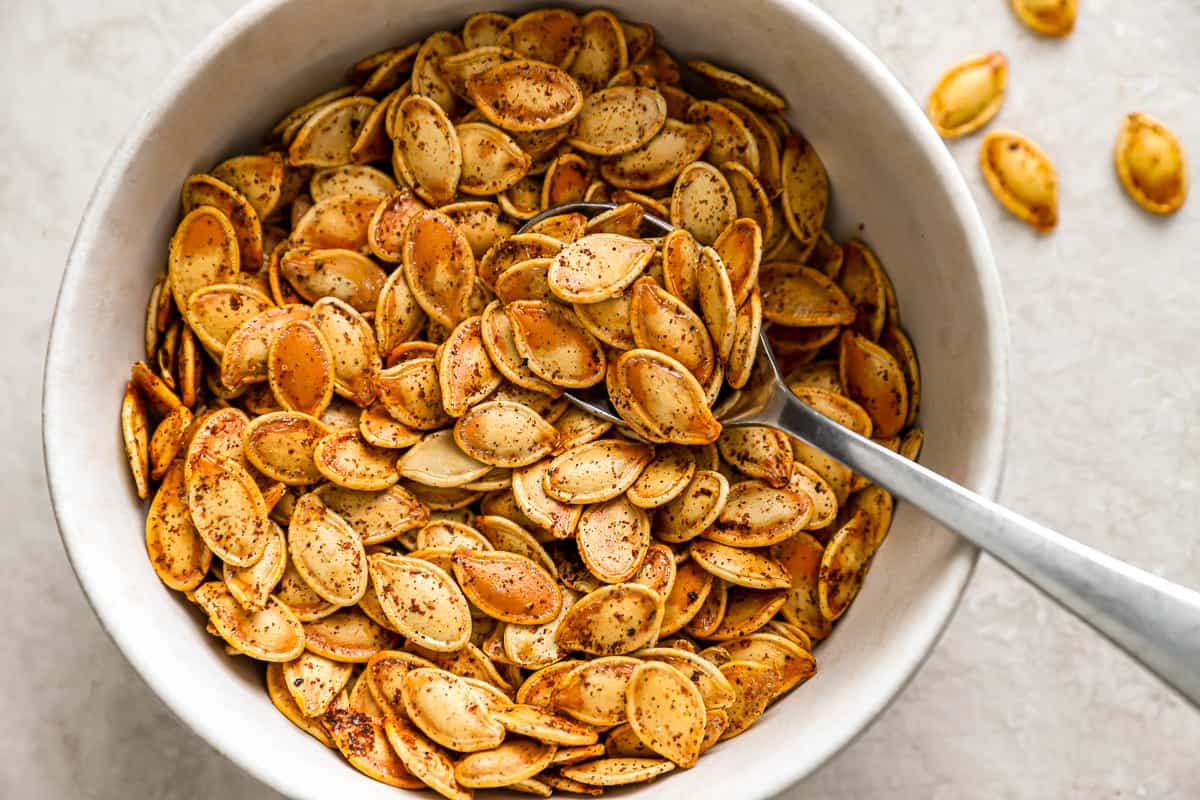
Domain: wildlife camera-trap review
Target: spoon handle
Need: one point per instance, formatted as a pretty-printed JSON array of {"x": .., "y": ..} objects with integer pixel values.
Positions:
[{"x": 1155, "y": 621}]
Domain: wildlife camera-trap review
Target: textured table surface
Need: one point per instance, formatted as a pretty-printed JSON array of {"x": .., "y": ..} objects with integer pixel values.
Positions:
[{"x": 1017, "y": 701}]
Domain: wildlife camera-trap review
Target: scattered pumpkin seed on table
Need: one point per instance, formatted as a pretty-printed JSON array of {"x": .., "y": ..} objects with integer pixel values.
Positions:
[{"x": 352, "y": 429}]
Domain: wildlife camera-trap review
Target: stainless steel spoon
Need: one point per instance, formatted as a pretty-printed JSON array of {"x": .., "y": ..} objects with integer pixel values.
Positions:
[{"x": 1155, "y": 621}]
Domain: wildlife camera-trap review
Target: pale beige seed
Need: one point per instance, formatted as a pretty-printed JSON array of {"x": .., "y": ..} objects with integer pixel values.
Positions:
[
  {"x": 205, "y": 190},
  {"x": 602, "y": 52},
  {"x": 687, "y": 596},
  {"x": 732, "y": 142},
  {"x": 555, "y": 345},
  {"x": 281, "y": 698},
  {"x": 339, "y": 222},
  {"x": 660, "y": 321},
  {"x": 715, "y": 689},
  {"x": 664, "y": 478},
  {"x": 436, "y": 460},
  {"x": 227, "y": 509},
  {"x": 695, "y": 509},
  {"x": 660, "y": 160},
  {"x": 314, "y": 682},
  {"x": 492, "y": 161},
  {"x": 258, "y": 178},
  {"x": 609, "y": 320},
  {"x": 545, "y": 726},
  {"x": 739, "y": 87},
  {"x": 805, "y": 192},
  {"x": 411, "y": 392},
  {"x": 754, "y": 686},
  {"x": 613, "y": 538},
  {"x": 325, "y": 139},
  {"x": 377, "y": 516},
  {"x": 348, "y": 460},
  {"x": 514, "y": 760},
  {"x": 793, "y": 663},
  {"x": 216, "y": 311},
  {"x": 381, "y": 429},
  {"x": 793, "y": 294},
  {"x": 424, "y": 759},
  {"x": 529, "y": 494},
  {"x": 427, "y": 150},
  {"x": 350, "y": 179},
  {"x": 1022, "y": 177}
]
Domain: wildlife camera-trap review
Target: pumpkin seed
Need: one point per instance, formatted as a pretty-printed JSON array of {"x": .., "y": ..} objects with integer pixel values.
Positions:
[
  {"x": 609, "y": 320},
  {"x": 258, "y": 178},
  {"x": 411, "y": 393},
  {"x": 327, "y": 552},
  {"x": 662, "y": 322},
  {"x": 345, "y": 458},
  {"x": 505, "y": 434},
  {"x": 969, "y": 94},
  {"x": 252, "y": 586},
  {"x": 666, "y": 712},
  {"x": 300, "y": 368},
  {"x": 612, "y": 620},
  {"x": 203, "y": 252},
  {"x": 695, "y": 509},
  {"x": 512, "y": 761},
  {"x": 227, "y": 509},
  {"x": 681, "y": 263},
  {"x": 449, "y": 710},
  {"x": 424, "y": 759},
  {"x": 1048, "y": 17},
  {"x": 1150, "y": 161},
  {"x": 566, "y": 181},
  {"x": 594, "y": 691},
  {"x": 739, "y": 566},
  {"x": 597, "y": 267},
  {"x": 421, "y": 601},
  {"x": 793, "y": 294},
  {"x": 485, "y": 29},
  {"x": 732, "y": 142},
  {"x": 178, "y": 554},
  {"x": 617, "y": 771},
  {"x": 874, "y": 379},
  {"x": 437, "y": 461},
  {"x": 613, "y": 538},
  {"x": 439, "y": 267},
  {"x": 805, "y": 192},
  {"x": 216, "y": 311},
  {"x": 551, "y": 35},
  {"x": 508, "y": 586},
  {"x": 529, "y": 493},
  {"x": 325, "y": 138},
  {"x": 844, "y": 565},
  {"x": 205, "y": 190},
  {"x": 596, "y": 471},
  {"x": 664, "y": 478},
  {"x": 619, "y": 120},
  {"x": 1022, "y": 177},
  {"x": 363, "y": 741},
  {"x": 755, "y": 685},
  {"x": 738, "y": 87},
  {"x": 660, "y": 160},
  {"x": 491, "y": 161},
  {"x": 666, "y": 395},
  {"x": 523, "y": 95},
  {"x": 377, "y": 516},
  {"x": 273, "y": 634},
  {"x": 282, "y": 699},
  {"x": 555, "y": 346},
  {"x": 314, "y": 682}
]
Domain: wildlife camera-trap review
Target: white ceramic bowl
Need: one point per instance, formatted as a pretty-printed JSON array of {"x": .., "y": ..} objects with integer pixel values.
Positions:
[{"x": 889, "y": 172}]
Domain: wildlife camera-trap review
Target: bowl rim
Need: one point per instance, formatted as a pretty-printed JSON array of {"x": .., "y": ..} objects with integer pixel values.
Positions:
[{"x": 899, "y": 102}]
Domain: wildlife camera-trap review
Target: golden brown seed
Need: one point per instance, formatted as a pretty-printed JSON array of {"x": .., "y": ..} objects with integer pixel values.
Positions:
[
  {"x": 1048, "y": 17},
  {"x": 969, "y": 94},
  {"x": 1151, "y": 164},
  {"x": 1022, "y": 177}
]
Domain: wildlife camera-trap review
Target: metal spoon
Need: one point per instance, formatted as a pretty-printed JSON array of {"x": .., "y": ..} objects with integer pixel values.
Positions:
[{"x": 1155, "y": 621}]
